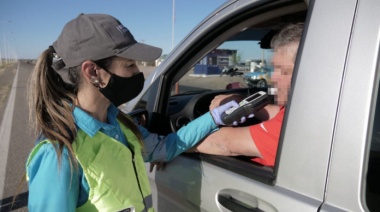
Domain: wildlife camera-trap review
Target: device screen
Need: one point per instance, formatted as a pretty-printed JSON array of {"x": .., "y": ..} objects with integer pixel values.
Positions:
[{"x": 253, "y": 97}]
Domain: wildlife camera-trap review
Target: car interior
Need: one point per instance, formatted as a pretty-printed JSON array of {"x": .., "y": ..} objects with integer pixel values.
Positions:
[{"x": 185, "y": 96}]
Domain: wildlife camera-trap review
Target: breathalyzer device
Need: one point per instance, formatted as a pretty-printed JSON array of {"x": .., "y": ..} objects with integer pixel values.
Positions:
[{"x": 247, "y": 106}]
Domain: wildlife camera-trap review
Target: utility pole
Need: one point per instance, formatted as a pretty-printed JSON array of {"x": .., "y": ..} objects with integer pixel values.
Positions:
[
  {"x": 173, "y": 21},
  {"x": 4, "y": 47},
  {"x": 176, "y": 89},
  {"x": 5, "y": 51}
]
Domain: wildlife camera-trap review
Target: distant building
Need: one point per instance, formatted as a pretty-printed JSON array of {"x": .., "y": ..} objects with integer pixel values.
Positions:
[
  {"x": 218, "y": 57},
  {"x": 215, "y": 61}
]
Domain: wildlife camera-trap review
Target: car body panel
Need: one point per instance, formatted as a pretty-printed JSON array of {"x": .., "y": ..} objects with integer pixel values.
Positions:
[
  {"x": 325, "y": 30},
  {"x": 200, "y": 185},
  {"x": 354, "y": 121}
]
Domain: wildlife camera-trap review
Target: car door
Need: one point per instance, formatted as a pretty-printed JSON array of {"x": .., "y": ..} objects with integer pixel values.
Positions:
[
  {"x": 199, "y": 182},
  {"x": 354, "y": 163}
]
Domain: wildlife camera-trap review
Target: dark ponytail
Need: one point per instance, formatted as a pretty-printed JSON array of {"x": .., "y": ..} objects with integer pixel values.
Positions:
[{"x": 51, "y": 104}]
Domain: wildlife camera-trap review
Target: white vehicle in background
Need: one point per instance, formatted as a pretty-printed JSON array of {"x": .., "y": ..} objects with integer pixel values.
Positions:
[{"x": 329, "y": 153}]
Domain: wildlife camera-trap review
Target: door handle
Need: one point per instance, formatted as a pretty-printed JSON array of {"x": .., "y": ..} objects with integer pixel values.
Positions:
[
  {"x": 234, "y": 200},
  {"x": 234, "y": 204}
]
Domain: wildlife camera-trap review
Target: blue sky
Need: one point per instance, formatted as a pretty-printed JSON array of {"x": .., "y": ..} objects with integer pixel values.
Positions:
[{"x": 28, "y": 27}]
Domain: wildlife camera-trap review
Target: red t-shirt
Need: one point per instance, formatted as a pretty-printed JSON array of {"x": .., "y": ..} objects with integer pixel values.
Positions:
[{"x": 266, "y": 136}]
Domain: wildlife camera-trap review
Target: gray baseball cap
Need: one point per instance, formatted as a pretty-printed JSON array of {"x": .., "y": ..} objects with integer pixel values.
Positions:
[{"x": 98, "y": 36}]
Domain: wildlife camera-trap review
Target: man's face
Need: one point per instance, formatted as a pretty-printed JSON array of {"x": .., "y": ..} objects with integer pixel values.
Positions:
[{"x": 283, "y": 62}]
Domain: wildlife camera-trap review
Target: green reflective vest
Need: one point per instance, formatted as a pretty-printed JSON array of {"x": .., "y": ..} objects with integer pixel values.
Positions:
[{"x": 115, "y": 173}]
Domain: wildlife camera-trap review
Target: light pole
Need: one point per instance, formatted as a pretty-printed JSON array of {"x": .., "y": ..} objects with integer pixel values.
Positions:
[
  {"x": 173, "y": 21},
  {"x": 6, "y": 57},
  {"x": 10, "y": 55},
  {"x": 1, "y": 59},
  {"x": 5, "y": 51}
]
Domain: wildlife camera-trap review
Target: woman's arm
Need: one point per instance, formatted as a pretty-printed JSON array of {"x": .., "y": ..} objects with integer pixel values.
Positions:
[
  {"x": 165, "y": 148},
  {"x": 52, "y": 187}
]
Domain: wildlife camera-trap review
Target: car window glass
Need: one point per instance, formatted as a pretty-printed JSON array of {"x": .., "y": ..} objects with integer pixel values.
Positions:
[
  {"x": 233, "y": 64},
  {"x": 144, "y": 99},
  {"x": 373, "y": 175}
]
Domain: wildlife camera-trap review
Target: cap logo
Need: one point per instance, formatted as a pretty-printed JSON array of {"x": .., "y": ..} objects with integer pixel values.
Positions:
[{"x": 122, "y": 29}]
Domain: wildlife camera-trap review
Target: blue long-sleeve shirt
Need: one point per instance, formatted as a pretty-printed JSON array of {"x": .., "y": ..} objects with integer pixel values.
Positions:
[{"x": 59, "y": 187}]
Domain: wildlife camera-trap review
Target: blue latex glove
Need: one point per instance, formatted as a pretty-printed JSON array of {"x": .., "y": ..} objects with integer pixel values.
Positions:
[{"x": 218, "y": 111}]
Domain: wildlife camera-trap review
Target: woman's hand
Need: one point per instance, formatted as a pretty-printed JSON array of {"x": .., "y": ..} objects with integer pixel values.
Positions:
[
  {"x": 221, "y": 103},
  {"x": 224, "y": 98}
]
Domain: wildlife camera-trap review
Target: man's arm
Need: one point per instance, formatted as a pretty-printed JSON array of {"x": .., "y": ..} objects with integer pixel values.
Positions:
[
  {"x": 233, "y": 141},
  {"x": 228, "y": 141},
  {"x": 268, "y": 112}
]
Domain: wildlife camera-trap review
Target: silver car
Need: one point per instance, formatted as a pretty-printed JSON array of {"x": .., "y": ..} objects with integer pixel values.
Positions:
[{"x": 329, "y": 153}]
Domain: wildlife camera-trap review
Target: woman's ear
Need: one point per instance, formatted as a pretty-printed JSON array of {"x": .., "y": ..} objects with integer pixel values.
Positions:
[
  {"x": 89, "y": 69},
  {"x": 91, "y": 73},
  {"x": 95, "y": 74}
]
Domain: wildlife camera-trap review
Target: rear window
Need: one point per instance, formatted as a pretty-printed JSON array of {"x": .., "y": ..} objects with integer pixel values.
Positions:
[{"x": 373, "y": 175}]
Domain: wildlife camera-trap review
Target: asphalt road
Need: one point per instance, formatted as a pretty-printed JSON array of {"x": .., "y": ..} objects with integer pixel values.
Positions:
[{"x": 15, "y": 135}]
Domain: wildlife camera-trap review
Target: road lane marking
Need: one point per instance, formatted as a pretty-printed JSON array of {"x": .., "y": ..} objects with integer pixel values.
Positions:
[{"x": 5, "y": 132}]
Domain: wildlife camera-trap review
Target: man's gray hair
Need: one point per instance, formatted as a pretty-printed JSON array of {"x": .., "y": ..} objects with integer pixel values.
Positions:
[{"x": 290, "y": 34}]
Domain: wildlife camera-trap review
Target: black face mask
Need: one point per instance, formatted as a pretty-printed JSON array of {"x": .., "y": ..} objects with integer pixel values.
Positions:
[{"x": 120, "y": 90}]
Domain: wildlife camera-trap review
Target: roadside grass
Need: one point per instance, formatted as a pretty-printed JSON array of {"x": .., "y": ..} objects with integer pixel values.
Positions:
[
  {"x": 5, "y": 85},
  {"x": 4, "y": 90}
]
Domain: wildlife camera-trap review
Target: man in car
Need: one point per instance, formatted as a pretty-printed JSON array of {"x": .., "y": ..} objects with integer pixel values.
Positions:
[{"x": 260, "y": 141}]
